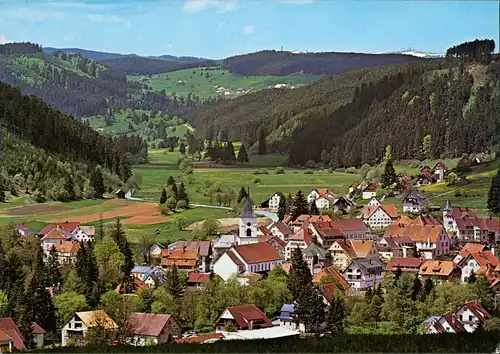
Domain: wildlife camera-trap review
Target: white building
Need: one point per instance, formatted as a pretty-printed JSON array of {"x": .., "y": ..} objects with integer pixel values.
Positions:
[
  {"x": 248, "y": 225},
  {"x": 321, "y": 197},
  {"x": 255, "y": 258},
  {"x": 415, "y": 202},
  {"x": 471, "y": 315},
  {"x": 83, "y": 233},
  {"x": 75, "y": 329},
  {"x": 362, "y": 274},
  {"x": 474, "y": 261},
  {"x": 273, "y": 203},
  {"x": 379, "y": 216}
]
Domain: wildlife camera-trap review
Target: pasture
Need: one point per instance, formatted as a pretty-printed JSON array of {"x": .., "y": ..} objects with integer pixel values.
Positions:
[{"x": 202, "y": 82}]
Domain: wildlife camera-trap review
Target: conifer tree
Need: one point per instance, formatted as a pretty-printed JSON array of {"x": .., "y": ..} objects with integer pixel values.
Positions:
[
  {"x": 182, "y": 193},
  {"x": 101, "y": 228},
  {"x": 97, "y": 182},
  {"x": 242, "y": 194},
  {"x": 427, "y": 289},
  {"x": 300, "y": 275},
  {"x": 242, "y": 154},
  {"x": 336, "y": 315},
  {"x": 163, "y": 197},
  {"x": 182, "y": 148},
  {"x": 54, "y": 277},
  {"x": 170, "y": 181},
  {"x": 262, "y": 142},
  {"x": 125, "y": 169},
  {"x": 494, "y": 194},
  {"x": 417, "y": 288},
  {"x": 299, "y": 205},
  {"x": 229, "y": 152},
  {"x": 175, "y": 284},
  {"x": 282, "y": 209},
  {"x": 313, "y": 208},
  {"x": 120, "y": 239},
  {"x": 175, "y": 191},
  {"x": 389, "y": 176},
  {"x": 315, "y": 309}
]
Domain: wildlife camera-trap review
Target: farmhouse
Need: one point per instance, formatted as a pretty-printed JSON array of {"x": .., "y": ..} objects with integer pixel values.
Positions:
[
  {"x": 255, "y": 257},
  {"x": 75, "y": 329},
  {"x": 425, "y": 179},
  {"x": 343, "y": 204},
  {"x": 379, "y": 216},
  {"x": 370, "y": 191},
  {"x": 439, "y": 271},
  {"x": 248, "y": 317},
  {"x": 157, "y": 328},
  {"x": 362, "y": 274},
  {"x": 197, "y": 280},
  {"x": 273, "y": 202},
  {"x": 66, "y": 251},
  {"x": 188, "y": 255},
  {"x": 467, "y": 318},
  {"x": 23, "y": 230},
  {"x": 475, "y": 261},
  {"x": 415, "y": 202},
  {"x": 321, "y": 197}
]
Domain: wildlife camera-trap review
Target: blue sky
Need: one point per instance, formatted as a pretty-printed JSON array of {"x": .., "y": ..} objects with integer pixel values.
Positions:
[{"x": 220, "y": 28}]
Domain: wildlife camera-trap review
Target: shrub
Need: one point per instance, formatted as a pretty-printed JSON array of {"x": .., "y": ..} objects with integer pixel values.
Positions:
[
  {"x": 279, "y": 171},
  {"x": 256, "y": 180},
  {"x": 310, "y": 164},
  {"x": 341, "y": 170},
  {"x": 350, "y": 170},
  {"x": 295, "y": 171},
  {"x": 452, "y": 179},
  {"x": 181, "y": 222},
  {"x": 458, "y": 193},
  {"x": 182, "y": 204},
  {"x": 264, "y": 171},
  {"x": 256, "y": 172},
  {"x": 171, "y": 203},
  {"x": 39, "y": 197},
  {"x": 308, "y": 172}
]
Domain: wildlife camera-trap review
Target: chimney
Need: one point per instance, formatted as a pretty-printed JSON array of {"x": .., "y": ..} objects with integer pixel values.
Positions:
[{"x": 250, "y": 325}]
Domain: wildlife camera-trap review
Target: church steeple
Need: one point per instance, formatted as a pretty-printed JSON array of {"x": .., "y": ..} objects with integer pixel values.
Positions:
[
  {"x": 248, "y": 223},
  {"x": 247, "y": 210}
]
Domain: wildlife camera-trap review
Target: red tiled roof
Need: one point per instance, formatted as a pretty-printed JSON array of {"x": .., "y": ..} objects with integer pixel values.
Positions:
[
  {"x": 334, "y": 273},
  {"x": 148, "y": 324},
  {"x": 471, "y": 247},
  {"x": 485, "y": 257},
  {"x": 198, "y": 277},
  {"x": 459, "y": 213},
  {"x": 67, "y": 246},
  {"x": 264, "y": 230},
  {"x": 23, "y": 227},
  {"x": 451, "y": 318},
  {"x": 346, "y": 247},
  {"x": 303, "y": 235},
  {"x": 435, "y": 267},
  {"x": 234, "y": 258},
  {"x": 8, "y": 326},
  {"x": 371, "y": 187},
  {"x": 390, "y": 210},
  {"x": 270, "y": 239},
  {"x": 328, "y": 290},
  {"x": 422, "y": 233},
  {"x": 405, "y": 264},
  {"x": 257, "y": 252},
  {"x": 66, "y": 226},
  {"x": 56, "y": 234},
  {"x": 139, "y": 284},
  {"x": 281, "y": 227},
  {"x": 4, "y": 337},
  {"x": 200, "y": 339},
  {"x": 352, "y": 225},
  {"x": 425, "y": 169},
  {"x": 37, "y": 329},
  {"x": 440, "y": 165},
  {"x": 428, "y": 176},
  {"x": 478, "y": 310},
  {"x": 244, "y": 314}
]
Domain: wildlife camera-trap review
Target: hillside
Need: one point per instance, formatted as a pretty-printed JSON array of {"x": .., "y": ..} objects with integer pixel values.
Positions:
[
  {"x": 215, "y": 81},
  {"x": 147, "y": 66},
  {"x": 271, "y": 62},
  {"x": 353, "y": 116},
  {"x": 77, "y": 85}
]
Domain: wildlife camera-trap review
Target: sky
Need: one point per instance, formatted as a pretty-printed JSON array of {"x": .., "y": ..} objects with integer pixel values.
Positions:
[{"x": 217, "y": 29}]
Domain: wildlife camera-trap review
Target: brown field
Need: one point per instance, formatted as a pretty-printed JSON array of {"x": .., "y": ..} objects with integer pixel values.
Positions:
[
  {"x": 135, "y": 214},
  {"x": 36, "y": 209}
]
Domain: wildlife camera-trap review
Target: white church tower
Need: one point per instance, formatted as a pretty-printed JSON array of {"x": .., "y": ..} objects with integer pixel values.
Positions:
[{"x": 248, "y": 225}]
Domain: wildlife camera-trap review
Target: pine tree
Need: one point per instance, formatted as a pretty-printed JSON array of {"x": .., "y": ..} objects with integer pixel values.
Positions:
[
  {"x": 125, "y": 169},
  {"x": 368, "y": 295},
  {"x": 230, "y": 156},
  {"x": 427, "y": 289},
  {"x": 417, "y": 288},
  {"x": 242, "y": 154},
  {"x": 170, "y": 181},
  {"x": 175, "y": 191},
  {"x": 101, "y": 228},
  {"x": 120, "y": 239},
  {"x": 336, "y": 315},
  {"x": 87, "y": 271},
  {"x": 300, "y": 275},
  {"x": 494, "y": 194},
  {"x": 175, "y": 284},
  {"x": 299, "y": 205},
  {"x": 315, "y": 309},
  {"x": 313, "y": 208},
  {"x": 389, "y": 176},
  {"x": 397, "y": 274},
  {"x": 242, "y": 194},
  {"x": 54, "y": 277},
  {"x": 182, "y": 148},
  {"x": 163, "y": 197},
  {"x": 262, "y": 142},
  {"x": 282, "y": 209},
  {"x": 97, "y": 182},
  {"x": 182, "y": 193}
]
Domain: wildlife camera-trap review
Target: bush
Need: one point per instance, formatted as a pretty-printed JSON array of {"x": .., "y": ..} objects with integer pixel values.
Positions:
[
  {"x": 182, "y": 204},
  {"x": 256, "y": 180},
  {"x": 308, "y": 172},
  {"x": 310, "y": 164},
  {"x": 295, "y": 171},
  {"x": 279, "y": 171},
  {"x": 171, "y": 203},
  {"x": 458, "y": 193},
  {"x": 264, "y": 171},
  {"x": 452, "y": 179},
  {"x": 39, "y": 197},
  {"x": 256, "y": 172},
  {"x": 180, "y": 222},
  {"x": 341, "y": 170},
  {"x": 350, "y": 170}
]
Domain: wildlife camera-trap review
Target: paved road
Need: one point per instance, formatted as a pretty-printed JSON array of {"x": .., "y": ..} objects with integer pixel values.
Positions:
[
  {"x": 210, "y": 206},
  {"x": 267, "y": 214}
]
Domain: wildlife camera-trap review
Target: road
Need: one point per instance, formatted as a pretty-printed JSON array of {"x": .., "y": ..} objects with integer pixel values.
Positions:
[{"x": 267, "y": 214}]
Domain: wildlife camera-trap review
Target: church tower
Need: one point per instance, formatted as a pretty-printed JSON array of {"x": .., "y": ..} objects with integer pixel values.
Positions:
[{"x": 248, "y": 225}]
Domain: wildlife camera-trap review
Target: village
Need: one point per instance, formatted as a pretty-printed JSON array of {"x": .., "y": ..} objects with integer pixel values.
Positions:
[{"x": 348, "y": 256}]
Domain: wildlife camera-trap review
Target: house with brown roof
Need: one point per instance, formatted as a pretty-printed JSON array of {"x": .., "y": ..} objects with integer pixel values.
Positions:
[
  {"x": 484, "y": 230},
  {"x": 331, "y": 273},
  {"x": 322, "y": 197},
  {"x": 353, "y": 229},
  {"x": 248, "y": 317},
  {"x": 467, "y": 318},
  {"x": 153, "y": 328},
  {"x": 76, "y": 328},
  {"x": 254, "y": 257},
  {"x": 10, "y": 335},
  {"x": 415, "y": 202},
  {"x": 23, "y": 230},
  {"x": 197, "y": 280},
  {"x": 370, "y": 191},
  {"x": 280, "y": 230},
  {"x": 439, "y": 271},
  {"x": 325, "y": 233},
  {"x": 439, "y": 170},
  {"x": 448, "y": 323},
  {"x": 430, "y": 240},
  {"x": 379, "y": 216},
  {"x": 300, "y": 221},
  {"x": 388, "y": 248},
  {"x": 301, "y": 239},
  {"x": 189, "y": 255},
  {"x": 410, "y": 265},
  {"x": 475, "y": 261},
  {"x": 66, "y": 251},
  {"x": 425, "y": 179},
  {"x": 343, "y": 204},
  {"x": 344, "y": 252}
]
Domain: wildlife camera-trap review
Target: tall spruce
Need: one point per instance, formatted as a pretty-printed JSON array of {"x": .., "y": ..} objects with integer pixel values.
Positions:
[
  {"x": 170, "y": 181},
  {"x": 87, "y": 271},
  {"x": 182, "y": 193},
  {"x": 125, "y": 169},
  {"x": 118, "y": 235},
  {"x": 242, "y": 194},
  {"x": 242, "y": 154},
  {"x": 300, "y": 206},
  {"x": 175, "y": 191},
  {"x": 313, "y": 208},
  {"x": 262, "y": 148},
  {"x": 100, "y": 230},
  {"x": 315, "y": 315},
  {"x": 163, "y": 197},
  {"x": 282, "y": 208},
  {"x": 494, "y": 194},
  {"x": 175, "y": 284},
  {"x": 417, "y": 288},
  {"x": 336, "y": 315},
  {"x": 54, "y": 277},
  {"x": 389, "y": 176},
  {"x": 97, "y": 182}
]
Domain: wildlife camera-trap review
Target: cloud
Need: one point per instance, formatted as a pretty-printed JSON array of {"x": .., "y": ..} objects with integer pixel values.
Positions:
[
  {"x": 3, "y": 40},
  {"x": 33, "y": 15},
  {"x": 221, "y": 6},
  {"x": 69, "y": 37},
  {"x": 95, "y": 17},
  {"x": 248, "y": 29},
  {"x": 110, "y": 19},
  {"x": 115, "y": 19},
  {"x": 221, "y": 24}
]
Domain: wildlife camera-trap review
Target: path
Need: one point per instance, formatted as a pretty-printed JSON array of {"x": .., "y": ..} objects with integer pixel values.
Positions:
[
  {"x": 128, "y": 195},
  {"x": 210, "y": 206},
  {"x": 268, "y": 214}
]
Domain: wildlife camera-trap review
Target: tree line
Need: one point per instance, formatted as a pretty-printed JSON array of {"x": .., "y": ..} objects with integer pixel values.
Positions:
[
  {"x": 478, "y": 51},
  {"x": 134, "y": 65}
]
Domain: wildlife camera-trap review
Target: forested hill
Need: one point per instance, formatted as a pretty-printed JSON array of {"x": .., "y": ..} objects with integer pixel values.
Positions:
[
  {"x": 135, "y": 65},
  {"x": 271, "y": 62},
  {"x": 352, "y": 117},
  {"x": 77, "y": 85}
]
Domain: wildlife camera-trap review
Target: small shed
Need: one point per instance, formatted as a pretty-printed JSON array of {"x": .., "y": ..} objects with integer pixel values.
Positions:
[{"x": 120, "y": 194}]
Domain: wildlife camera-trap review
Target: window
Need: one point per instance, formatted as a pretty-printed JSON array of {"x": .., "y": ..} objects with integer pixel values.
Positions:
[
  {"x": 248, "y": 224},
  {"x": 78, "y": 325},
  {"x": 470, "y": 318},
  {"x": 249, "y": 232}
]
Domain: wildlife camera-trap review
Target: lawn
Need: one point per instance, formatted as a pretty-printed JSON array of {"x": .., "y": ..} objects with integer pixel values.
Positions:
[{"x": 195, "y": 81}]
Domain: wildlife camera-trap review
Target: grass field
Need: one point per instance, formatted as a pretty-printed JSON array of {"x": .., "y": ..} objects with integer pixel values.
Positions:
[{"x": 197, "y": 83}]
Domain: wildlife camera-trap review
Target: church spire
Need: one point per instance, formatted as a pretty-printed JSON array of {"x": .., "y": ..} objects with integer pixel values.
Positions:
[{"x": 247, "y": 208}]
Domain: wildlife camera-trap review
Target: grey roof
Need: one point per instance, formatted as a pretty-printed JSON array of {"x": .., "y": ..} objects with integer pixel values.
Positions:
[
  {"x": 415, "y": 194},
  {"x": 447, "y": 205},
  {"x": 225, "y": 241},
  {"x": 368, "y": 265},
  {"x": 247, "y": 210},
  {"x": 315, "y": 250}
]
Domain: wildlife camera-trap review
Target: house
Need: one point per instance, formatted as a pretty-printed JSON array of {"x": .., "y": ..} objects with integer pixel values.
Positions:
[
  {"x": 439, "y": 170},
  {"x": 467, "y": 249},
  {"x": 316, "y": 257},
  {"x": 373, "y": 202},
  {"x": 53, "y": 237},
  {"x": 370, "y": 190},
  {"x": 197, "y": 280},
  {"x": 362, "y": 274},
  {"x": 287, "y": 317},
  {"x": 425, "y": 179},
  {"x": 379, "y": 216},
  {"x": 353, "y": 186},
  {"x": 395, "y": 246},
  {"x": 397, "y": 227},
  {"x": 343, "y": 252},
  {"x": 10, "y": 335},
  {"x": 156, "y": 328},
  {"x": 321, "y": 197},
  {"x": 343, "y": 204},
  {"x": 247, "y": 277},
  {"x": 325, "y": 233},
  {"x": 23, "y": 230},
  {"x": 138, "y": 285},
  {"x": 83, "y": 234},
  {"x": 254, "y": 257},
  {"x": 331, "y": 274},
  {"x": 430, "y": 240},
  {"x": 297, "y": 224},
  {"x": 149, "y": 275},
  {"x": 475, "y": 261},
  {"x": 66, "y": 251},
  {"x": 75, "y": 329},
  {"x": 273, "y": 202},
  {"x": 155, "y": 250},
  {"x": 66, "y": 227},
  {"x": 415, "y": 202},
  {"x": 120, "y": 194},
  {"x": 38, "y": 335},
  {"x": 439, "y": 271},
  {"x": 66, "y": 231},
  {"x": 301, "y": 239},
  {"x": 484, "y": 230},
  {"x": 280, "y": 230},
  {"x": 448, "y": 323},
  {"x": 248, "y": 317},
  {"x": 353, "y": 229},
  {"x": 410, "y": 265},
  {"x": 275, "y": 242},
  {"x": 188, "y": 256}
]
